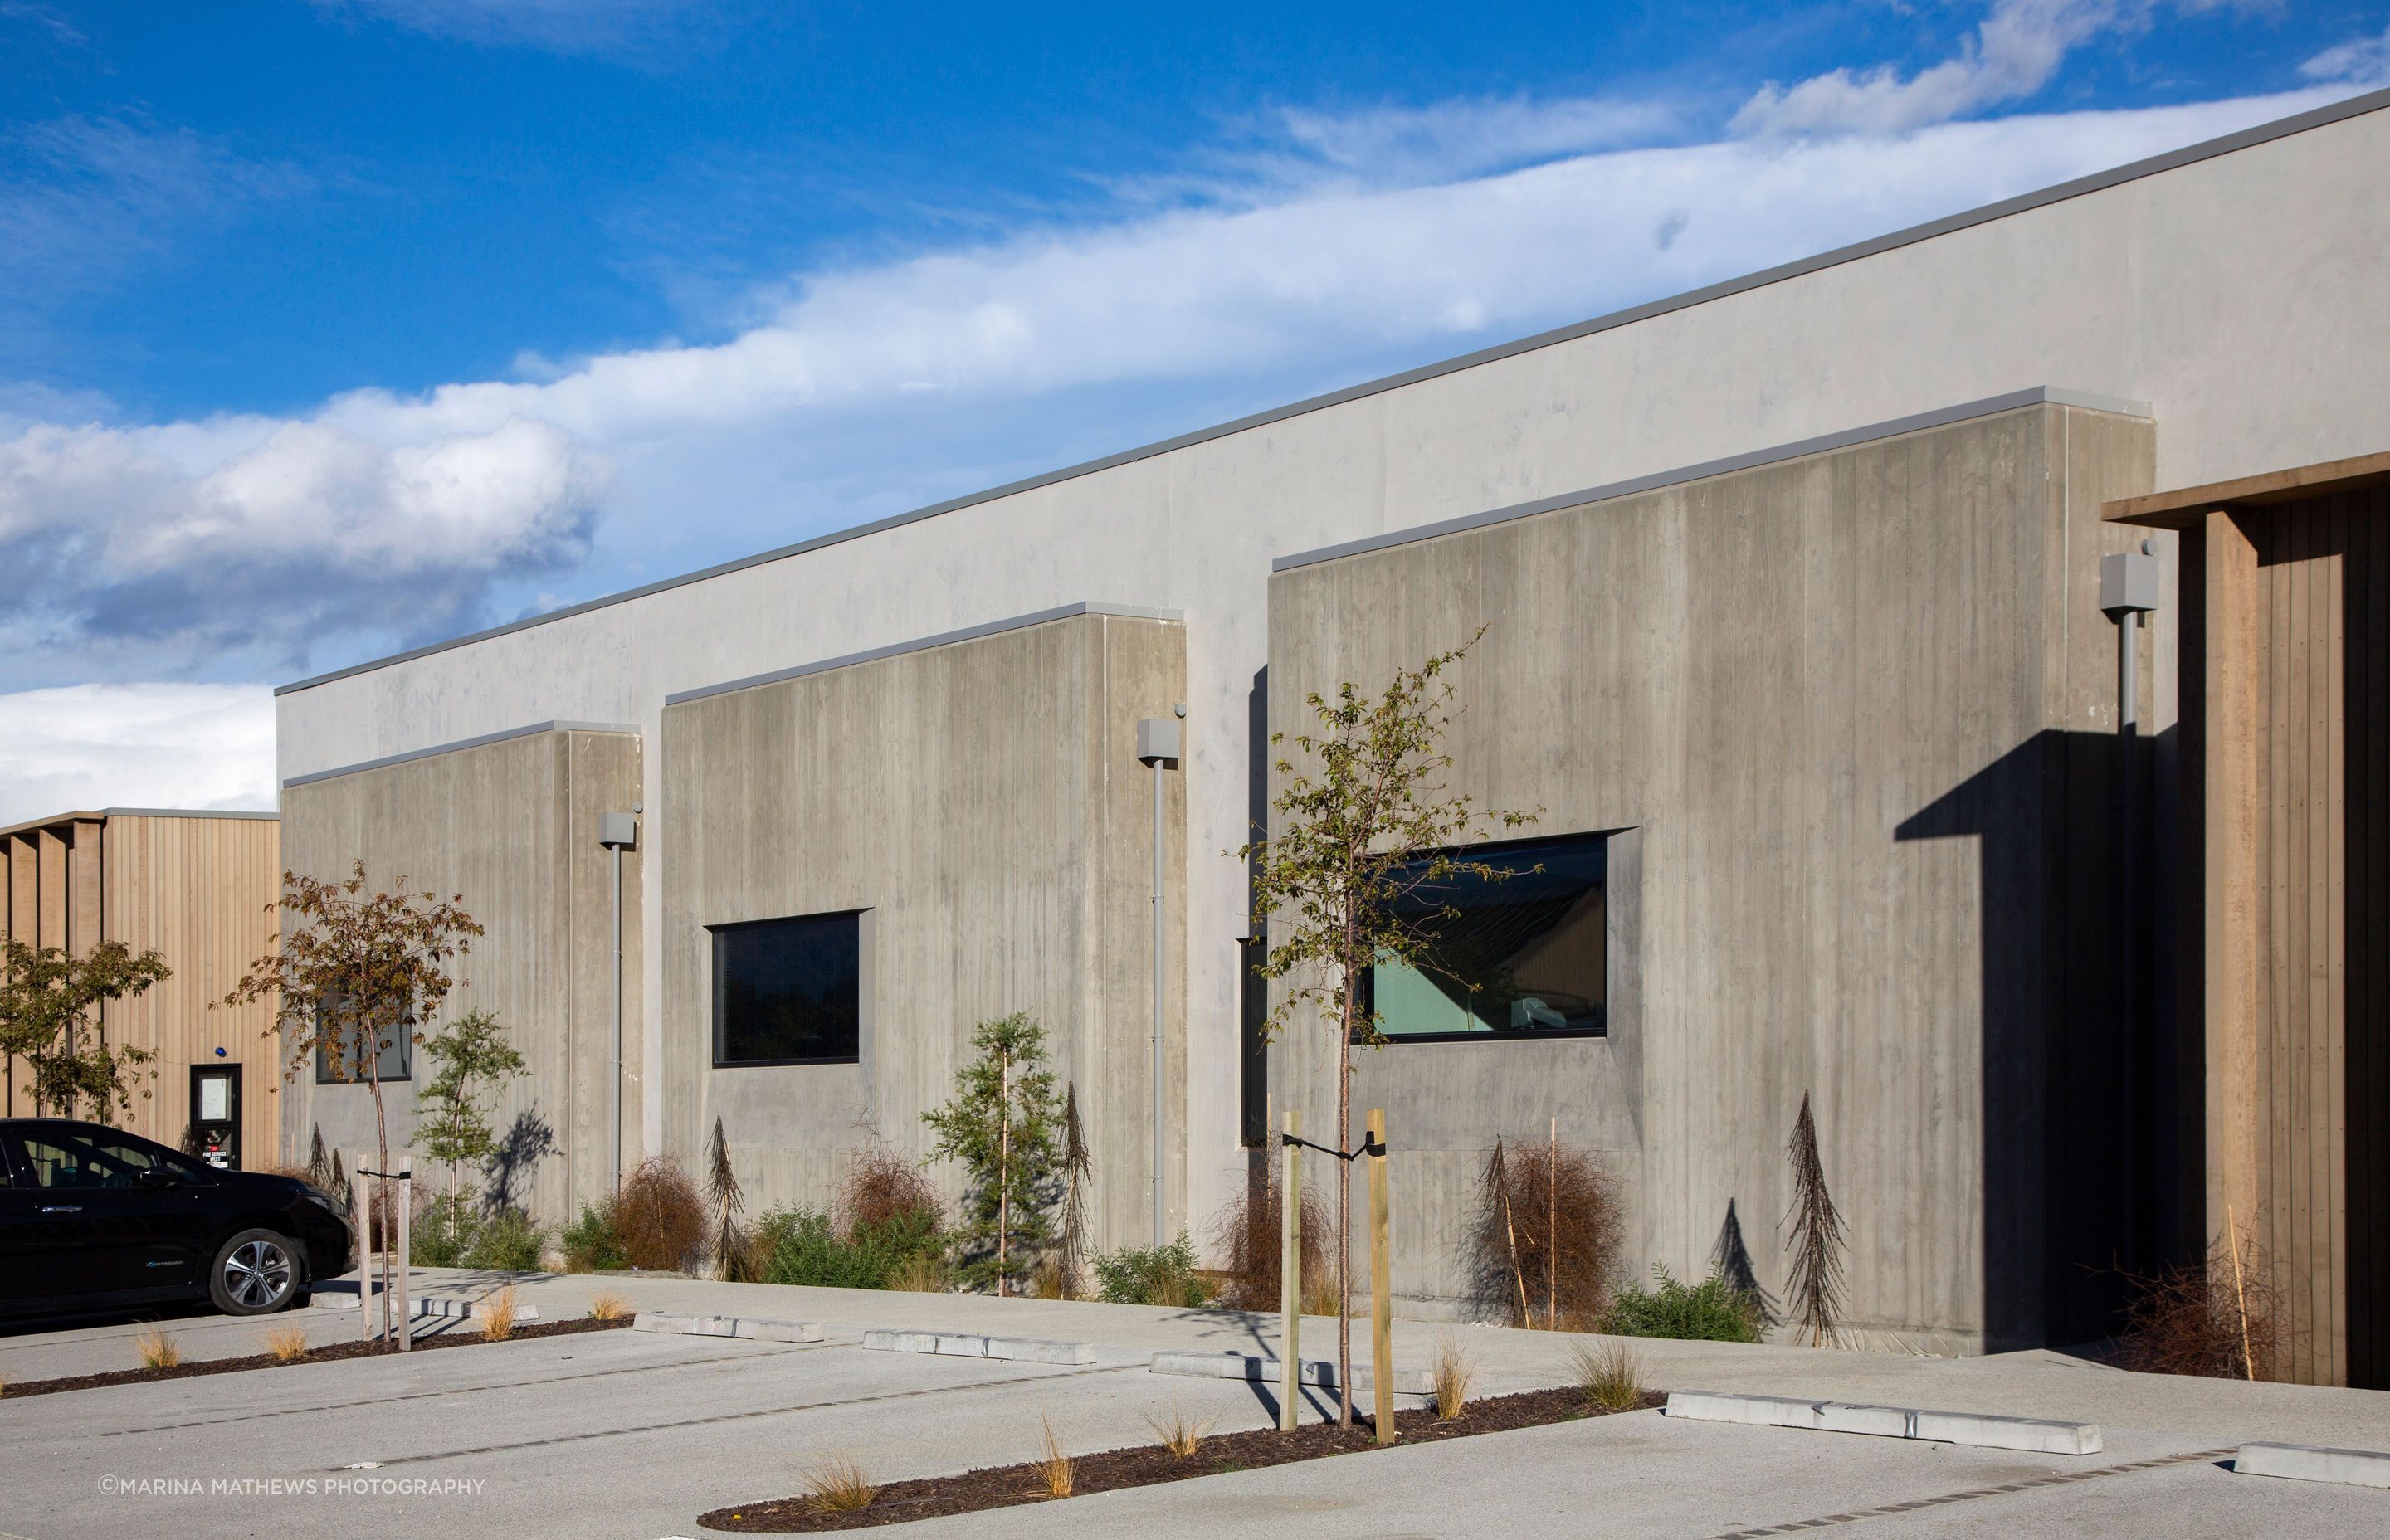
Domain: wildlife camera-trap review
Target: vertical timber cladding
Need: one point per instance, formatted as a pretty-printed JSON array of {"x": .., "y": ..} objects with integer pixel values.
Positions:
[
  {"x": 512, "y": 825},
  {"x": 981, "y": 803},
  {"x": 199, "y": 890},
  {"x": 1852, "y": 710}
]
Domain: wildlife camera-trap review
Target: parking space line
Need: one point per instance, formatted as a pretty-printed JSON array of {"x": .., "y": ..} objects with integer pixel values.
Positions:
[
  {"x": 2054, "y": 1478},
  {"x": 742, "y": 1417},
  {"x": 458, "y": 1390}
]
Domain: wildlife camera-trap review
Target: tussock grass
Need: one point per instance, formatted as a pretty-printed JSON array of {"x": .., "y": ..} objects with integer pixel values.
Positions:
[
  {"x": 158, "y": 1351},
  {"x": 1057, "y": 1472},
  {"x": 1181, "y": 1434},
  {"x": 924, "y": 1273},
  {"x": 609, "y": 1306},
  {"x": 497, "y": 1315},
  {"x": 1611, "y": 1376},
  {"x": 840, "y": 1485},
  {"x": 1453, "y": 1373},
  {"x": 287, "y": 1343}
]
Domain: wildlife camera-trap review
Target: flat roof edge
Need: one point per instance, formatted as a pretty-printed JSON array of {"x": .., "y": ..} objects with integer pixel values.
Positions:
[
  {"x": 2281, "y": 128},
  {"x": 484, "y": 741},
  {"x": 922, "y": 644},
  {"x": 101, "y": 815},
  {"x": 2040, "y": 395}
]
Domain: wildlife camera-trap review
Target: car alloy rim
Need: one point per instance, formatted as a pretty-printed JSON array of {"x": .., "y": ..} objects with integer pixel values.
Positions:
[{"x": 257, "y": 1273}]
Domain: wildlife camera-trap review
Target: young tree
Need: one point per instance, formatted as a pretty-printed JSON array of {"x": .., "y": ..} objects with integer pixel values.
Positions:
[
  {"x": 722, "y": 1189},
  {"x": 1336, "y": 885},
  {"x": 46, "y": 999},
  {"x": 474, "y": 1061},
  {"x": 1814, "y": 1290},
  {"x": 1000, "y": 1124},
  {"x": 355, "y": 975},
  {"x": 1078, "y": 1175}
]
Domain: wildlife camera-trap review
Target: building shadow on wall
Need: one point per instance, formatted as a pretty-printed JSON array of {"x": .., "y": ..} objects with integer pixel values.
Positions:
[
  {"x": 2083, "y": 1106},
  {"x": 507, "y": 1173}
]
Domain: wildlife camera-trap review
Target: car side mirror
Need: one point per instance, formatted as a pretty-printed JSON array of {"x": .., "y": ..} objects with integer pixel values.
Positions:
[{"x": 161, "y": 1176}]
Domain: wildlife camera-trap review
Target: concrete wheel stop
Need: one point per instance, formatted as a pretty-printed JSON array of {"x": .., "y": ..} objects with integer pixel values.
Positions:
[
  {"x": 1977, "y": 1430},
  {"x": 747, "y": 1329},
  {"x": 2303, "y": 1462},
  {"x": 957, "y": 1344}
]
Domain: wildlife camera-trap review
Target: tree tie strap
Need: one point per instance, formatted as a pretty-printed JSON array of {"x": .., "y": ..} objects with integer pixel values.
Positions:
[{"x": 1367, "y": 1147}]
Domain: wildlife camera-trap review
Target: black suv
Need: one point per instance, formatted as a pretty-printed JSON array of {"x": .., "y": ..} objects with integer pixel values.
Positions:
[{"x": 93, "y": 1218}]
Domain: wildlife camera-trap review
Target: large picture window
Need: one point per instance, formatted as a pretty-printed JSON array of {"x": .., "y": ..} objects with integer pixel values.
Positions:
[
  {"x": 1526, "y": 956},
  {"x": 789, "y": 991}
]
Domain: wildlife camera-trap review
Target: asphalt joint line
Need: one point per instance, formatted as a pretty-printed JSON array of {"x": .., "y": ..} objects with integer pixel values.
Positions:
[{"x": 2055, "y": 1477}]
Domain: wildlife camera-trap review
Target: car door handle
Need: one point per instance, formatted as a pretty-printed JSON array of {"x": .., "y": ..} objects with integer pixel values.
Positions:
[{"x": 62, "y": 1208}]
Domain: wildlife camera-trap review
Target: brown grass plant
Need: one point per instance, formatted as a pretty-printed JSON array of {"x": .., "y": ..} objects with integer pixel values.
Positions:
[
  {"x": 1181, "y": 1434},
  {"x": 919, "y": 1275},
  {"x": 1610, "y": 1375},
  {"x": 1057, "y": 1472},
  {"x": 287, "y": 1343},
  {"x": 2188, "y": 1319},
  {"x": 497, "y": 1314},
  {"x": 840, "y": 1486},
  {"x": 1454, "y": 1374},
  {"x": 660, "y": 1216},
  {"x": 157, "y": 1351},
  {"x": 609, "y": 1306},
  {"x": 1546, "y": 1234},
  {"x": 1250, "y": 1234}
]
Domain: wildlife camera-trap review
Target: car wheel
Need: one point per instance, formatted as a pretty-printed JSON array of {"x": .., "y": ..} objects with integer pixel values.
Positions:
[{"x": 256, "y": 1272}]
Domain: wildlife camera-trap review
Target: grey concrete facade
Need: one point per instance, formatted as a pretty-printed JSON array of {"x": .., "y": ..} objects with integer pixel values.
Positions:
[
  {"x": 512, "y": 825},
  {"x": 964, "y": 797},
  {"x": 2134, "y": 290},
  {"x": 1827, "y": 703}
]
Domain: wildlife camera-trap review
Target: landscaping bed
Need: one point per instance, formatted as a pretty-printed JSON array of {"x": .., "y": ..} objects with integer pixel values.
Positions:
[
  {"x": 327, "y": 1354},
  {"x": 1149, "y": 1465}
]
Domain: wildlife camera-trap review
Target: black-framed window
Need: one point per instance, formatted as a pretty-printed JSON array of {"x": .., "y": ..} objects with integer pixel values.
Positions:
[
  {"x": 1526, "y": 957},
  {"x": 789, "y": 991},
  {"x": 344, "y": 1062}
]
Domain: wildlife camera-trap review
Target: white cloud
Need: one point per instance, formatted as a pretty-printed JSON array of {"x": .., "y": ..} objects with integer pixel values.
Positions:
[
  {"x": 2010, "y": 57},
  {"x": 2364, "y": 60},
  {"x": 147, "y": 745}
]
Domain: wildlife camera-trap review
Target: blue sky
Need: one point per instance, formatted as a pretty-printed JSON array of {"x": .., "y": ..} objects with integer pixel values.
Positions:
[{"x": 326, "y": 328}]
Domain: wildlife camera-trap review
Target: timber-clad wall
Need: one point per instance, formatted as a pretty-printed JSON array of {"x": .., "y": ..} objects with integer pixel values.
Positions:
[
  {"x": 195, "y": 886},
  {"x": 513, "y": 827},
  {"x": 2298, "y": 925},
  {"x": 1855, "y": 713}
]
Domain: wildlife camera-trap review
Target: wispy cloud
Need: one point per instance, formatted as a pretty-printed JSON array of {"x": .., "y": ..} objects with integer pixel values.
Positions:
[
  {"x": 561, "y": 26},
  {"x": 2359, "y": 61},
  {"x": 91, "y": 746}
]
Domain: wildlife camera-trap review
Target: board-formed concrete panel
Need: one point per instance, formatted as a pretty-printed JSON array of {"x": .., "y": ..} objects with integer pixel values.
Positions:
[
  {"x": 1843, "y": 710},
  {"x": 982, "y": 805}
]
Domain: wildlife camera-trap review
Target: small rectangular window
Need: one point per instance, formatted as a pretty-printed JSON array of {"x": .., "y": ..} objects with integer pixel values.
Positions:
[
  {"x": 789, "y": 991},
  {"x": 1521, "y": 958},
  {"x": 343, "y": 1063}
]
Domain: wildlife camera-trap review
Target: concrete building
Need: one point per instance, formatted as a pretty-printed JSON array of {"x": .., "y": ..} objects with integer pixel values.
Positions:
[
  {"x": 196, "y": 886},
  {"x": 1794, "y": 633}
]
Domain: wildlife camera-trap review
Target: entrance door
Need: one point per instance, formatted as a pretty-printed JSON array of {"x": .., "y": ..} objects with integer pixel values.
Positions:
[{"x": 215, "y": 1115}]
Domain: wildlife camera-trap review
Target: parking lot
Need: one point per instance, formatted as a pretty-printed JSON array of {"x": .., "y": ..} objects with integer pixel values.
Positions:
[{"x": 633, "y": 1434}]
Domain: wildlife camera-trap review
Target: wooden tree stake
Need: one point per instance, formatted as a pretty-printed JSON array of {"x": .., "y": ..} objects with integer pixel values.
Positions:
[
  {"x": 405, "y": 1323},
  {"x": 1381, "y": 1281},
  {"x": 2240, "y": 1298},
  {"x": 1289, "y": 1274}
]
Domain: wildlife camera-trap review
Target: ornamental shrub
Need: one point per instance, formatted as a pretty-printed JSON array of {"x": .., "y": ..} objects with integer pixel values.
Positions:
[{"x": 1710, "y": 1311}]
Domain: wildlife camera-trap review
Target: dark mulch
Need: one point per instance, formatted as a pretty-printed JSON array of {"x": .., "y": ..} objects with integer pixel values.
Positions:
[
  {"x": 469, "y": 1336},
  {"x": 1003, "y": 1486}
]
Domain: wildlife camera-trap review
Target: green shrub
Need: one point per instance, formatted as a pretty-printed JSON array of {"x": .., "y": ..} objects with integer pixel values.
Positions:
[
  {"x": 1710, "y": 1311},
  {"x": 508, "y": 1243},
  {"x": 592, "y": 1244},
  {"x": 799, "y": 1246},
  {"x": 1153, "y": 1275},
  {"x": 441, "y": 1236}
]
